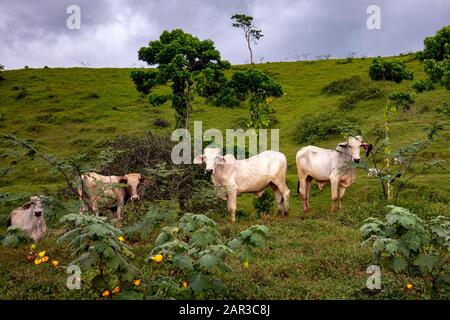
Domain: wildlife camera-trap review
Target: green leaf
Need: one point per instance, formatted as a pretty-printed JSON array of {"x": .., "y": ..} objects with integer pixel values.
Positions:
[
  {"x": 426, "y": 262},
  {"x": 198, "y": 282},
  {"x": 208, "y": 261},
  {"x": 182, "y": 262},
  {"x": 398, "y": 263},
  {"x": 391, "y": 246}
]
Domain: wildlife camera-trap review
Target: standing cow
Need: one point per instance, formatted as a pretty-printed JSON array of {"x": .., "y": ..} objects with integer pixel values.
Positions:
[
  {"x": 323, "y": 165},
  {"x": 251, "y": 175},
  {"x": 30, "y": 218},
  {"x": 97, "y": 190}
]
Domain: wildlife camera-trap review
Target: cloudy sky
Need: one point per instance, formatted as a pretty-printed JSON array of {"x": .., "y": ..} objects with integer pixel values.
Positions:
[{"x": 34, "y": 32}]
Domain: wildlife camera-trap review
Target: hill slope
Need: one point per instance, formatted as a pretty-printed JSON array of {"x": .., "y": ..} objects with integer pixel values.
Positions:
[{"x": 70, "y": 111}]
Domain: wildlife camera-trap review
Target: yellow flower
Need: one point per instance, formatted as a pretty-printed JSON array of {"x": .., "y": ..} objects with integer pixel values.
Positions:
[
  {"x": 121, "y": 239},
  {"x": 41, "y": 254},
  {"x": 44, "y": 259},
  {"x": 116, "y": 290},
  {"x": 105, "y": 293},
  {"x": 158, "y": 258},
  {"x": 37, "y": 261},
  {"x": 55, "y": 263},
  {"x": 185, "y": 284},
  {"x": 245, "y": 264},
  {"x": 33, "y": 246},
  {"x": 137, "y": 282},
  {"x": 409, "y": 286}
]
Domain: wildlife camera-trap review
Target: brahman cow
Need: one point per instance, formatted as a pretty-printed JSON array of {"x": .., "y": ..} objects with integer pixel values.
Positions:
[
  {"x": 251, "y": 175},
  {"x": 97, "y": 191},
  {"x": 323, "y": 165},
  {"x": 30, "y": 218}
]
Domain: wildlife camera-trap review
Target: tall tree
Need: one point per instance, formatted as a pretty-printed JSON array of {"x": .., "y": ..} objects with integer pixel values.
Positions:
[
  {"x": 183, "y": 61},
  {"x": 252, "y": 35}
]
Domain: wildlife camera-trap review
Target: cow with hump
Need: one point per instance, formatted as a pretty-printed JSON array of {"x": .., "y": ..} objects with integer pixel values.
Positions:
[
  {"x": 30, "y": 218},
  {"x": 98, "y": 191},
  {"x": 324, "y": 165},
  {"x": 250, "y": 175}
]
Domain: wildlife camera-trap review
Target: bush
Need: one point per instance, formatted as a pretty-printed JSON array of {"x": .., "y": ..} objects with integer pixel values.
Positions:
[
  {"x": 22, "y": 93},
  {"x": 157, "y": 99},
  {"x": 264, "y": 204},
  {"x": 363, "y": 93},
  {"x": 407, "y": 245},
  {"x": 444, "y": 109},
  {"x": 343, "y": 85},
  {"x": 402, "y": 100},
  {"x": 389, "y": 70},
  {"x": 437, "y": 47},
  {"x": 317, "y": 128},
  {"x": 422, "y": 85},
  {"x": 14, "y": 237}
]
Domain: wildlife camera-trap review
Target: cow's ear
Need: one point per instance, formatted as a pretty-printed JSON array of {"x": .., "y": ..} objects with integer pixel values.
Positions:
[
  {"x": 198, "y": 159},
  {"x": 220, "y": 160},
  {"x": 27, "y": 205},
  {"x": 343, "y": 145},
  {"x": 123, "y": 179}
]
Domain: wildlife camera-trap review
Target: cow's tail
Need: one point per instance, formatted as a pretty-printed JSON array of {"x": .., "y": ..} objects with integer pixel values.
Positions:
[{"x": 9, "y": 223}]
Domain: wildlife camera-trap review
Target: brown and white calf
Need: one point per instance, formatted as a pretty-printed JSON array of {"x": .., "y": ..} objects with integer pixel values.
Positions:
[
  {"x": 324, "y": 165},
  {"x": 251, "y": 175},
  {"x": 98, "y": 191},
  {"x": 30, "y": 218}
]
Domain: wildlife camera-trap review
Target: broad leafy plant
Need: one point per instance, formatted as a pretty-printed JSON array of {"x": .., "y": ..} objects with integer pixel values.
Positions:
[
  {"x": 197, "y": 255},
  {"x": 98, "y": 246},
  {"x": 410, "y": 246}
]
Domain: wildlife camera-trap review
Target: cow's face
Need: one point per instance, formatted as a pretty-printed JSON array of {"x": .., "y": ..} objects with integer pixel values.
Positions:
[
  {"x": 36, "y": 206},
  {"x": 211, "y": 158},
  {"x": 133, "y": 180},
  {"x": 352, "y": 147}
]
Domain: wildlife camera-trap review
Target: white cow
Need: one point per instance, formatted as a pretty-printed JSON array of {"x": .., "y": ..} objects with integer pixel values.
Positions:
[
  {"x": 98, "y": 190},
  {"x": 251, "y": 175},
  {"x": 30, "y": 218},
  {"x": 323, "y": 165}
]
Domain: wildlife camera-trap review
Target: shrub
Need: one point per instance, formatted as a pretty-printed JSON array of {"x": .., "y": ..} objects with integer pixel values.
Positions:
[
  {"x": 161, "y": 123},
  {"x": 22, "y": 93},
  {"x": 363, "y": 93},
  {"x": 14, "y": 237},
  {"x": 437, "y": 47},
  {"x": 402, "y": 100},
  {"x": 407, "y": 245},
  {"x": 321, "y": 127},
  {"x": 158, "y": 99},
  {"x": 343, "y": 85},
  {"x": 389, "y": 70},
  {"x": 444, "y": 109},
  {"x": 422, "y": 85},
  {"x": 264, "y": 204}
]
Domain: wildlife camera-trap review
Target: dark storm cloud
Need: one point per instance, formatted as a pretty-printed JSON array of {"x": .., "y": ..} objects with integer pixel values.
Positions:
[{"x": 34, "y": 32}]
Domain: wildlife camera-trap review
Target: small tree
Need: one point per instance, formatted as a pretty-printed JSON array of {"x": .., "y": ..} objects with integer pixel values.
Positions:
[
  {"x": 183, "y": 61},
  {"x": 252, "y": 35},
  {"x": 256, "y": 87},
  {"x": 2, "y": 68}
]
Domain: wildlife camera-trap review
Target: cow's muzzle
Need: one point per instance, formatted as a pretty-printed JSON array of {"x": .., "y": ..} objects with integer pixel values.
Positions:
[
  {"x": 356, "y": 160},
  {"x": 209, "y": 171},
  {"x": 134, "y": 198},
  {"x": 38, "y": 213}
]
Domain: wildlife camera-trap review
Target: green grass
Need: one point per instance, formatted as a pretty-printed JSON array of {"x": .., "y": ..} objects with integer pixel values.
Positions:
[{"x": 68, "y": 112}]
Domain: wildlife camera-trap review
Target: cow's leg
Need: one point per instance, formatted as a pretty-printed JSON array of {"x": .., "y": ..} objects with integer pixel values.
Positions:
[
  {"x": 232, "y": 199},
  {"x": 278, "y": 198},
  {"x": 334, "y": 193},
  {"x": 284, "y": 191},
  {"x": 308, "y": 190},
  {"x": 341, "y": 196},
  {"x": 303, "y": 193},
  {"x": 95, "y": 208},
  {"x": 119, "y": 210}
]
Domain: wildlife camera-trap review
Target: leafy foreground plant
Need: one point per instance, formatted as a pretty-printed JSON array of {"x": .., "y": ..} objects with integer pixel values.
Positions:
[
  {"x": 14, "y": 237},
  {"x": 99, "y": 247},
  {"x": 196, "y": 255},
  {"x": 407, "y": 245}
]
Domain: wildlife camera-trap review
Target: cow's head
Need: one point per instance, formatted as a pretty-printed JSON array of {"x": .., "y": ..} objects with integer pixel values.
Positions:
[
  {"x": 211, "y": 157},
  {"x": 352, "y": 147},
  {"x": 133, "y": 180},
  {"x": 35, "y": 205}
]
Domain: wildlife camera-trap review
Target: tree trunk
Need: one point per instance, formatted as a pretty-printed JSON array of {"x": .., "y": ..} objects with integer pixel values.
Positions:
[{"x": 251, "y": 52}]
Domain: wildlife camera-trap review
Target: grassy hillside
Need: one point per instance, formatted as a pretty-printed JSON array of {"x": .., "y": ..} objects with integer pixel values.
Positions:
[{"x": 69, "y": 112}]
